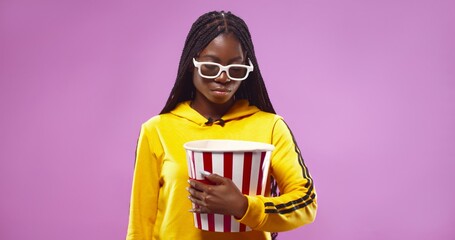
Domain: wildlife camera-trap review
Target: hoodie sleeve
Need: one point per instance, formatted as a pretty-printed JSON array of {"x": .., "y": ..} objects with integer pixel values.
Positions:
[
  {"x": 144, "y": 196},
  {"x": 296, "y": 206}
]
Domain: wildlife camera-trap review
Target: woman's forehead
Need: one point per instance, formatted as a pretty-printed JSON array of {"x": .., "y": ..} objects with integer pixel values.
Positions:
[{"x": 225, "y": 46}]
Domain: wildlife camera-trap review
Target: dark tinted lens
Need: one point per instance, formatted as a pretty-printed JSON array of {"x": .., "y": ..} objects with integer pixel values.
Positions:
[
  {"x": 237, "y": 72},
  {"x": 209, "y": 70}
]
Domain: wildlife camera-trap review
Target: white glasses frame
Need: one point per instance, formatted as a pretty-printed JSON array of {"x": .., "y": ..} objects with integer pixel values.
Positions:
[{"x": 249, "y": 69}]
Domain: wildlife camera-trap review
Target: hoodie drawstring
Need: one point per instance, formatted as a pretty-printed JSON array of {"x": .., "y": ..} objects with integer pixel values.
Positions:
[{"x": 210, "y": 121}]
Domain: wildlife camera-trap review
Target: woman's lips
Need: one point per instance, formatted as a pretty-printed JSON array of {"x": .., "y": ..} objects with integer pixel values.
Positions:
[{"x": 221, "y": 92}]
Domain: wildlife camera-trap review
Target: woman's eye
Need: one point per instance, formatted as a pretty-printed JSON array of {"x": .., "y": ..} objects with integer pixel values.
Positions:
[{"x": 210, "y": 66}]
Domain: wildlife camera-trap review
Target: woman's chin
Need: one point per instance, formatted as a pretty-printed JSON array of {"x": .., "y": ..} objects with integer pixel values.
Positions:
[{"x": 220, "y": 98}]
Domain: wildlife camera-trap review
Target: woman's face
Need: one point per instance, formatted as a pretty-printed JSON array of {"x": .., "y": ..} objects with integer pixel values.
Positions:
[{"x": 224, "y": 49}]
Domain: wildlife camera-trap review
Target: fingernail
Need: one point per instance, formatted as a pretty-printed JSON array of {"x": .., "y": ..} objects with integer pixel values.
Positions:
[{"x": 205, "y": 173}]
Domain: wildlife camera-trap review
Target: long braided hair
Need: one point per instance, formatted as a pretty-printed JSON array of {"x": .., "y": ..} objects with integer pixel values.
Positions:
[{"x": 202, "y": 32}]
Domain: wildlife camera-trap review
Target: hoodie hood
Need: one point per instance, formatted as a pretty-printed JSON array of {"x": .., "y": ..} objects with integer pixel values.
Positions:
[{"x": 240, "y": 109}]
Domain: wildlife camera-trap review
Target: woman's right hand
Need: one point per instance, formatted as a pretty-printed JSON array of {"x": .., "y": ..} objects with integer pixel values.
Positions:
[{"x": 223, "y": 197}]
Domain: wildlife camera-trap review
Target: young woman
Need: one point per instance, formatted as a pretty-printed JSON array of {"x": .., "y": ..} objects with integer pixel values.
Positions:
[{"x": 219, "y": 93}]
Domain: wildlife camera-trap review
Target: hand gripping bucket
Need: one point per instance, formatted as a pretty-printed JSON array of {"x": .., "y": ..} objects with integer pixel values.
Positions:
[{"x": 245, "y": 163}]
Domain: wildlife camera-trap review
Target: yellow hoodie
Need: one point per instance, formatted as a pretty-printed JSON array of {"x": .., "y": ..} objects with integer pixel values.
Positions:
[{"x": 159, "y": 203}]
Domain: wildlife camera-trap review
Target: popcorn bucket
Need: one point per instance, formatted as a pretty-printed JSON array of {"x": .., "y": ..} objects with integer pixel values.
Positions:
[{"x": 245, "y": 163}]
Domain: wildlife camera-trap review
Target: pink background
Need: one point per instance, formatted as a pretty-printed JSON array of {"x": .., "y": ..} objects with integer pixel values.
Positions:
[{"x": 367, "y": 87}]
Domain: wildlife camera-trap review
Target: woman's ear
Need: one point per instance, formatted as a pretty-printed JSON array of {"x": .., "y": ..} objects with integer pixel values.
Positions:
[{"x": 191, "y": 66}]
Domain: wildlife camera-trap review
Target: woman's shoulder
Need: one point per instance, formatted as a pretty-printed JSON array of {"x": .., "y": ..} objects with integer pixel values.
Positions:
[
  {"x": 151, "y": 123},
  {"x": 156, "y": 120},
  {"x": 272, "y": 116}
]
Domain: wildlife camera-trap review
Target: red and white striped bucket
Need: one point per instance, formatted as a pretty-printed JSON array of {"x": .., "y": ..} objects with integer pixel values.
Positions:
[{"x": 245, "y": 163}]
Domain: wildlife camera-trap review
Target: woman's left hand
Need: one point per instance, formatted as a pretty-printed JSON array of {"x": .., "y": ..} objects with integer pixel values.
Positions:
[{"x": 223, "y": 197}]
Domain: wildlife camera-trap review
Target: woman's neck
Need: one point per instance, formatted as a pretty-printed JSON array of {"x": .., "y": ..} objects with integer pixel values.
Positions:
[{"x": 211, "y": 110}]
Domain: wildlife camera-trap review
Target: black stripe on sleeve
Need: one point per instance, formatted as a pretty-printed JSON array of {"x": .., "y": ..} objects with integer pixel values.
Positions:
[
  {"x": 306, "y": 199},
  {"x": 289, "y": 210}
]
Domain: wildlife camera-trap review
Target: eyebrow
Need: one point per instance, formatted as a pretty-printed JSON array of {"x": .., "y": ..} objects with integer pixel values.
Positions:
[{"x": 218, "y": 59}]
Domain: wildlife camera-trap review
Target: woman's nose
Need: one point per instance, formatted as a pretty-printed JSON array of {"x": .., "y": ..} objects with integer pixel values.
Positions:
[{"x": 223, "y": 78}]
